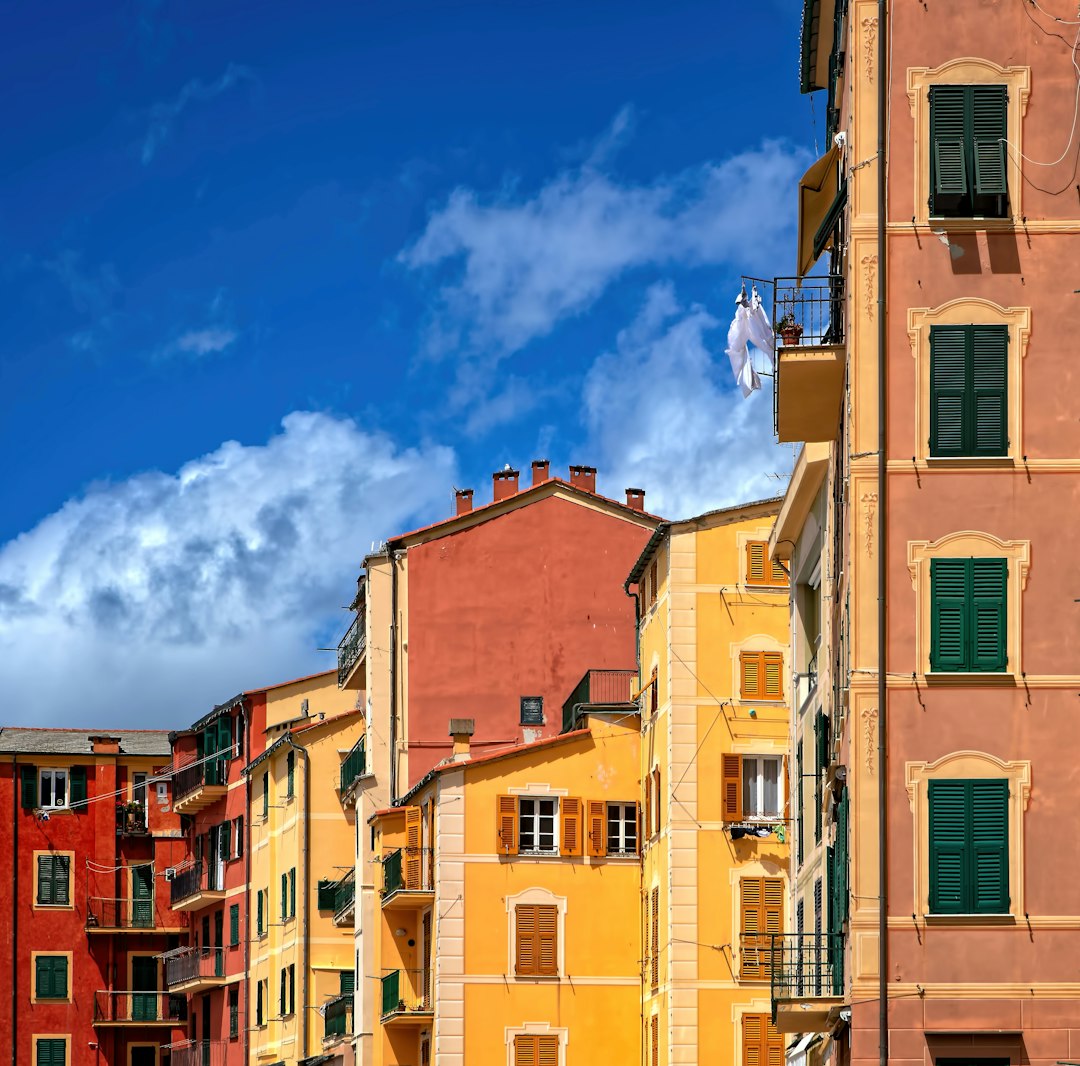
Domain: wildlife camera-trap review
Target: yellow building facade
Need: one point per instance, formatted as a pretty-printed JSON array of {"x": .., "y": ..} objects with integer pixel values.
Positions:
[
  {"x": 302, "y": 970},
  {"x": 714, "y": 672},
  {"x": 507, "y": 927}
]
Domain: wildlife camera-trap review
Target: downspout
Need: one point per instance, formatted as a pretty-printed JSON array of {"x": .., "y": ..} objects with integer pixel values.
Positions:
[
  {"x": 306, "y": 951},
  {"x": 393, "y": 673},
  {"x": 15, "y": 807},
  {"x": 882, "y": 533},
  {"x": 642, "y": 932},
  {"x": 245, "y": 718}
]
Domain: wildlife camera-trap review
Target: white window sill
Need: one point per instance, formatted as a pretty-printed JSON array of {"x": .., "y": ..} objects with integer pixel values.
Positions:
[{"x": 534, "y": 854}]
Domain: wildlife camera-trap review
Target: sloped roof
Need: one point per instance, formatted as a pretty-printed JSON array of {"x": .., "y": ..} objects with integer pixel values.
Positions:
[{"x": 16, "y": 740}]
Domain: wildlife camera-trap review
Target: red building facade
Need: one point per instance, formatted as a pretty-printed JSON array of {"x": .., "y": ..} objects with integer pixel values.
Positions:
[{"x": 87, "y": 830}]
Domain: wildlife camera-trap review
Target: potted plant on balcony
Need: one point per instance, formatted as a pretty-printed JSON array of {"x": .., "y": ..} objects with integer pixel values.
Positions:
[{"x": 790, "y": 331}]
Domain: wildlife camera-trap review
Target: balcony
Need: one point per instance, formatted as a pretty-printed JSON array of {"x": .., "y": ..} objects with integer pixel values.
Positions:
[
  {"x": 811, "y": 357},
  {"x": 198, "y": 784},
  {"x": 597, "y": 689},
  {"x": 350, "y": 652},
  {"x": 134, "y": 1009},
  {"x": 131, "y": 820},
  {"x": 406, "y": 998},
  {"x": 197, "y": 886},
  {"x": 337, "y": 1017},
  {"x": 195, "y": 969},
  {"x": 354, "y": 766},
  {"x": 130, "y": 916},
  {"x": 197, "y": 1052},
  {"x": 807, "y": 978},
  {"x": 341, "y": 899},
  {"x": 408, "y": 881}
]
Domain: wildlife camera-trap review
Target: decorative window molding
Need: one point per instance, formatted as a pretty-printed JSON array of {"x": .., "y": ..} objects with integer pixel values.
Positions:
[
  {"x": 759, "y": 642},
  {"x": 969, "y": 544},
  {"x": 965, "y": 765},
  {"x": 969, "y": 311},
  {"x": 743, "y": 541},
  {"x": 968, "y": 71},
  {"x": 527, "y": 897}
]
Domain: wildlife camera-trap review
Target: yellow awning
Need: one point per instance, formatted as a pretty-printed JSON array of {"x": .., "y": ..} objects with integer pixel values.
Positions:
[{"x": 817, "y": 191}]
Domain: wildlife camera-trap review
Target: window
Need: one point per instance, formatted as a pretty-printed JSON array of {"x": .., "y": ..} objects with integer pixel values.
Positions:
[
  {"x": 261, "y": 995},
  {"x": 799, "y": 819},
  {"x": 656, "y": 805},
  {"x": 292, "y": 988},
  {"x": 967, "y": 615},
  {"x": 292, "y": 892},
  {"x": 536, "y": 937},
  {"x": 622, "y": 821},
  {"x": 761, "y": 1043},
  {"x": 750, "y": 787},
  {"x": 51, "y": 1051},
  {"x": 540, "y": 1050},
  {"x": 654, "y": 940},
  {"x": 969, "y": 847},
  {"x": 260, "y": 912},
  {"x": 290, "y": 775},
  {"x": 51, "y": 977},
  {"x": 536, "y": 826},
  {"x": 138, "y": 789},
  {"x": 238, "y": 825},
  {"x": 968, "y": 130},
  {"x": 234, "y": 1012},
  {"x": 234, "y": 925},
  {"x": 283, "y": 991},
  {"x": 532, "y": 710},
  {"x": 53, "y": 880},
  {"x": 654, "y": 697},
  {"x": 968, "y": 391},
  {"x": 761, "y": 914},
  {"x": 761, "y": 675},
  {"x": 53, "y": 790},
  {"x": 654, "y": 1040},
  {"x": 266, "y": 795},
  {"x": 760, "y": 569}
]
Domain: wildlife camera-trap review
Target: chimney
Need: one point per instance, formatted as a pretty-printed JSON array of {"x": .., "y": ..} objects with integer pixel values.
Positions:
[
  {"x": 541, "y": 470},
  {"x": 464, "y": 501},
  {"x": 105, "y": 745},
  {"x": 635, "y": 499},
  {"x": 461, "y": 729},
  {"x": 504, "y": 484},
  {"x": 583, "y": 477}
]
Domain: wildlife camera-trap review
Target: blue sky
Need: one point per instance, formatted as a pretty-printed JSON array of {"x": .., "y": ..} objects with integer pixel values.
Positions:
[{"x": 277, "y": 277}]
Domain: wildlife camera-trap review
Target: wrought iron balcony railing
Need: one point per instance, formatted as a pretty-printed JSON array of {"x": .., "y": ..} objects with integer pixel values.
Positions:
[
  {"x": 401, "y": 875},
  {"x": 193, "y": 776},
  {"x": 350, "y": 648},
  {"x": 809, "y": 311},
  {"x": 199, "y": 877},
  {"x": 598, "y": 688},
  {"x": 338, "y": 1017},
  {"x": 198, "y": 1053},
  {"x": 354, "y": 764},
  {"x": 406, "y": 992},
  {"x": 806, "y": 966},
  {"x": 194, "y": 963},
  {"x": 106, "y": 915},
  {"x": 138, "y": 1008},
  {"x": 131, "y": 820}
]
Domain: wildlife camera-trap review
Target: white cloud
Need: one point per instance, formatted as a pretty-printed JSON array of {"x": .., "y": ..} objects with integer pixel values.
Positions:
[
  {"x": 663, "y": 414},
  {"x": 522, "y": 264},
  {"x": 144, "y": 602},
  {"x": 200, "y": 342}
]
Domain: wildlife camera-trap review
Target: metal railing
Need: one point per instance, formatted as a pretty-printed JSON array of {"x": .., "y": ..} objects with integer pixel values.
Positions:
[
  {"x": 406, "y": 992},
  {"x": 394, "y": 872},
  {"x": 102, "y": 913},
  {"x": 131, "y": 820},
  {"x": 190, "y": 778},
  {"x": 338, "y": 1017},
  {"x": 132, "y": 1008},
  {"x": 806, "y": 966},
  {"x": 198, "y": 1053},
  {"x": 350, "y": 648},
  {"x": 809, "y": 310},
  {"x": 354, "y": 765},
  {"x": 344, "y": 897},
  {"x": 199, "y": 877},
  {"x": 598, "y": 688},
  {"x": 806, "y": 684},
  {"x": 194, "y": 963}
]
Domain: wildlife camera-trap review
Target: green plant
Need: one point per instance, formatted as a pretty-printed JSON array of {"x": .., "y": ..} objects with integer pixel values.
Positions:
[{"x": 786, "y": 321}]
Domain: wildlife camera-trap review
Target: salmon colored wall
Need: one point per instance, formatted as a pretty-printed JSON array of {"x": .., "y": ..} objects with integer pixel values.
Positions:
[{"x": 526, "y": 603}]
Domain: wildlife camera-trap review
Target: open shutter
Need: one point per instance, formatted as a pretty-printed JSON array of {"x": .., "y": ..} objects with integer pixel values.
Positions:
[
  {"x": 773, "y": 666},
  {"x": 347, "y": 979},
  {"x": 225, "y": 738},
  {"x": 755, "y": 562},
  {"x": 284, "y": 896},
  {"x": 655, "y": 939},
  {"x": 948, "y": 615},
  {"x": 989, "y": 381},
  {"x": 648, "y": 806},
  {"x": 842, "y": 860},
  {"x": 731, "y": 787},
  {"x": 948, "y": 391},
  {"x": 234, "y": 924},
  {"x": 948, "y": 162},
  {"x": 325, "y": 893},
  {"x": 949, "y": 861},
  {"x": 506, "y": 824},
  {"x": 570, "y": 808},
  {"x": 799, "y": 810},
  {"x": 292, "y": 892},
  {"x": 751, "y": 928},
  {"x": 547, "y": 940},
  {"x": 525, "y": 936},
  {"x": 990, "y": 846},
  {"x": 411, "y": 864},
  {"x": 596, "y": 836},
  {"x": 77, "y": 781},
  {"x": 989, "y": 578},
  {"x": 751, "y": 668},
  {"x": 29, "y": 787},
  {"x": 988, "y": 128}
]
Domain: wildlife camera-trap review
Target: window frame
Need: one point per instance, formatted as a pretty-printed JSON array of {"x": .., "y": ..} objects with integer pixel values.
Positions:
[
  {"x": 765, "y": 657},
  {"x": 770, "y": 565},
  {"x": 537, "y": 851},
  {"x": 969, "y": 395},
  {"x": 759, "y": 760},
  {"x": 69, "y": 856},
  {"x": 55, "y": 1038},
  {"x": 627, "y": 818},
  {"x": 37, "y": 995},
  {"x": 52, "y": 771}
]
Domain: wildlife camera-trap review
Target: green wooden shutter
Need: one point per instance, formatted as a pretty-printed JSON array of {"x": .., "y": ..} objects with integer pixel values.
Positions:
[
  {"x": 43, "y": 977},
  {"x": 799, "y": 818},
  {"x": 949, "y": 841},
  {"x": 989, "y": 804},
  {"x": 281, "y": 994},
  {"x": 948, "y": 391},
  {"x": 989, "y": 107},
  {"x": 988, "y": 404},
  {"x": 266, "y": 795},
  {"x": 948, "y": 158},
  {"x": 29, "y": 787},
  {"x": 292, "y": 892},
  {"x": 77, "y": 780},
  {"x": 234, "y": 924},
  {"x": 259, "y": 919},
  {"x": 290, "y": 764},
  {"x": 225, "y": 737},
  {"x": 51, "y": 1052},
  {"x": 61, "y": 879},
  {"x": 348, "y": 982},
  {"x": 284, "y": 896},
  {"x": 45, "y": 879},
  {"x": 948, "y": 614},
  {"x": 989, "y": 579},
  {"x": 325, "y": 893},
  {"x": 842, "y": 859}
]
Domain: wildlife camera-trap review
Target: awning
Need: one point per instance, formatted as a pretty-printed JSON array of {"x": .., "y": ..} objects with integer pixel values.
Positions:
[
  {"x": 817, "y": 39},
  {"x": 818, "y": 190},
  {"x": 796, "y": 1054}
]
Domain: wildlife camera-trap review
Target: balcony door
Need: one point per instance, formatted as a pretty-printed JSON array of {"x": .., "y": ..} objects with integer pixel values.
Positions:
[
  {"x": 142, "y": 896},
  {"x": 143, "y": 988}
]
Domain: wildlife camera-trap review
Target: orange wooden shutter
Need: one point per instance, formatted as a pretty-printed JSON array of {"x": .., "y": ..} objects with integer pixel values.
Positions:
[
  {"x": 754, "y": 1039},
  {"x": 648, "y": 805},
  {"x": 773, "y": 673},
  {"x": 654, "y": 684},
  {"x": 596, "y": 839},
  {"x": 654, "y": 937},
  {"x": 571, "y": 825},
  {"x": 506, "y": 825},
  {"x": 658, "y": 815},
  {"x": 412, "y": 848},
  {"x": 755, "y": 562},
  {"x": 547, "y": 940},
  {"x": 654, "y": 583},
  {"x": 751, "y": 927},
  {"x": 547, "y": 1048},
  {"x": 750, "y": 669},
  {"x": 525, "y": 954},
  {"x": 787, "y": 792},
  {"x": 731, "y": 787},
  {"x": 778, "y": 573},
  {"x": 774, "y": 1044},
  {"x": 526, "y": 1051},
  {"x": 654, "y": 1039}
]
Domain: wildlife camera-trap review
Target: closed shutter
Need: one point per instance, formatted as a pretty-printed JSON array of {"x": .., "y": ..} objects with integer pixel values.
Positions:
[
  {"x": 411, "y": 852},
  {"x": 526, "y": 1051},
  {"x": 948, "y": 611},
  {"x": 755, "y": 562},
  {"x": 77, "y": 781},
  {"x": 948, "y": 159},
  {"x": 654, "y": 1039},
  {"x": 525, "y": 952},
  {"x": 234, "y": 924},
  {"x": 751, "y": 669},
  {"x": 347, "y": 980},
  {"x": 989, "y": 578},
  {"x": 968, "y": 615},
  {"x": 655, "y": 939},
  {"x": 731, "y": 787},
  {"x": 61, "y": 880},
  {"x": 762, "y": 1044},
  {"x": 45, "y": 879},
  {"x": 968, "y": 391},
  {"x": 547, "y": 939},
  {"x": 990, "y": 846},
  {"x": 51, "y": 1052},
  {"x": 596, "y": 836},
  {"x": 325, "y": 891},
  {"x": 547, "y": 1050},
  {"x": 761, "y": 916},
  {"x": 29, "y": 787},
  {"x": 988, "y": 127},
  {"x": 773, "y": 665},
  {"x": 506, "y": 824},
  {"x": 988, "y": 410},
  {"x": 260, "y": 919},
  {"x": 570, "y": 808},
  {"x": 948, "y": 391},
  {"x": 51, "y": 976},
  {"x": 536, "y": 935}
]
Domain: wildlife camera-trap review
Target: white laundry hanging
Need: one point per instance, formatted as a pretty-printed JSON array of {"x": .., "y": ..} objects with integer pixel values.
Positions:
[
  {"x": 749, "y": 326},
  {"x": 761, "y": 331}
]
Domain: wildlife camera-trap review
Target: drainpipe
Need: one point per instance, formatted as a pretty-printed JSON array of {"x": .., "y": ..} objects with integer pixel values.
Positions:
[
  {"x": 393, "y": 674},
  {"x": 247, "y": 883},
  {"x": 882, "y": 532},
  {"x": 16, "y": 804},
  {"x": 306, "y": 951},
  {"x": 642, "y": 931}
]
